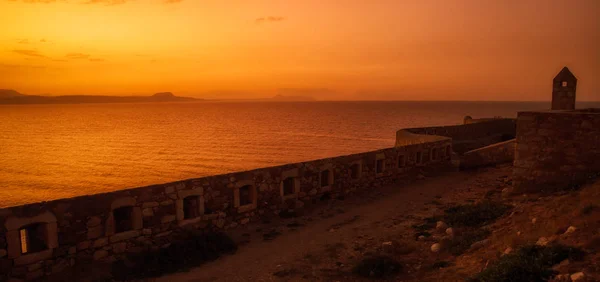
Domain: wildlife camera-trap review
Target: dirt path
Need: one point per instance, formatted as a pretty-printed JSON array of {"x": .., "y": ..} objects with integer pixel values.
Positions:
[{"x": 371, "y": 217}]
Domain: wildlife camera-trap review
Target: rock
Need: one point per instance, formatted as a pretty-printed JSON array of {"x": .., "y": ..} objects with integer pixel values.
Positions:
[
  {"x": 579, "y": 276},
  {"x": 533, "y": 220},
  {"x": 100, "y": 254},
  {"x": 387, "y": 246},
  {"x": 441, "y": 226},
  {"x": 479, "y": 244},
  {"x": 562, "y": 278},
  {"x": 245, "y": 221},
  {"x": 570, "y": 230},
  {"x": 543, "y": 241},
  {"x": 450, "y": 231},
  {"x": 420, "y": 176},
  {"x": 2, "y": 253},
  {"x": 508, "y": 251},
  {"x": 421, "y": 238},
  {"x": 506, "y": 192},
  {"x": 436, "y": 247}
]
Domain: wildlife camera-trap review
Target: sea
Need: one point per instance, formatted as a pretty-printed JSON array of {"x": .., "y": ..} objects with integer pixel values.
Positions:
[{"x": 55, "y": 151}]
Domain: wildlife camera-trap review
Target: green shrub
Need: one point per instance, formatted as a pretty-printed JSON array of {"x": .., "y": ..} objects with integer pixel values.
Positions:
[
  {"x": 475, "y": 215},
  {"x": 378, "y": 267},
  {"x": 530, "y": 263},
  {"x": 189, "y": 250}
]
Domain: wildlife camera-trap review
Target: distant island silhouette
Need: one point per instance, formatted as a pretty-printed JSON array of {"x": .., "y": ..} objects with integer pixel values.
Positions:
[{"x": 8, "y": 96}]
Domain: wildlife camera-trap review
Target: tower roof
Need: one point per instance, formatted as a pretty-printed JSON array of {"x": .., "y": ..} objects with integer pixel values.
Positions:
[{"x": 565, "y": 74}]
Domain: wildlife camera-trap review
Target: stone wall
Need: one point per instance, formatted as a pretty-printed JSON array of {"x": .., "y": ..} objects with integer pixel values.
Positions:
[
  {"x": 467, "y": 137},
  {"x": 104, "y": 227},
  {"x": 556, "y": 150},
  {"x": 499, "y": 153}
]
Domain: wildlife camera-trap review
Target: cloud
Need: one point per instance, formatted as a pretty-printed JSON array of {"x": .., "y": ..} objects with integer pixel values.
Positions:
[
  {"x": 269, "y": 19},
  {"x": 31, "y": 53},
  {"x": 172, "y": 1},
  {"x": 97, "y": 60},
  {"x": 77, "y": 56},
  {"x": 37, "y": 1},
  {"x": 107, "y": 2}
]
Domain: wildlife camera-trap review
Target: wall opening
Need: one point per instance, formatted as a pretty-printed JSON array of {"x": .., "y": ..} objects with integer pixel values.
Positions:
[
  {"x": 355, "y": 171},
  {"x": 401, "y": 161},
  {"x": 289, "y": 186},
  {"x": 191, "y": 207},
  {"x": 123, "y": 219},
  {"x": 325, "y": 178},
  {"x": 33, "y": 238},
  {"x": 379, "y": 166},
  {"x": 419, "y": 158},
  {"x": 246, "y": 195},
  {"x": 434, "y": 153}
]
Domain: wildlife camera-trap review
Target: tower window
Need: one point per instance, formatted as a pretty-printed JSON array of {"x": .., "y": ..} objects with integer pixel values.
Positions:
[
  {"x": 564, "y": 84},
  {"x": 33, "y": 238}
]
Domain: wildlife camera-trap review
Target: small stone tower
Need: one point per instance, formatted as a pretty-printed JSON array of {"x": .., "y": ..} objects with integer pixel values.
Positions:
[{"x": 564, "y": 86}]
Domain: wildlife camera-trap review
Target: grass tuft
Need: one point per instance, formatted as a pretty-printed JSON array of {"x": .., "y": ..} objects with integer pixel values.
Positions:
[
  {"x": 190, "y": 249},
  {"x": 378, "y": 267},
  {"x": 475, "y": 215},
  {"x": 529, "y": 263}
]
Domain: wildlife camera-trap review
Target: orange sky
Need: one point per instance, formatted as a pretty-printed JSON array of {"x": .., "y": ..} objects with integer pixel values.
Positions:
[{"x": 336, "y": 49}]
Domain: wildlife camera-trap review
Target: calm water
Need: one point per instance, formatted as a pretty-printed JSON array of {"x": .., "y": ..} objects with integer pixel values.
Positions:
[{"x": 54, "y": 151}]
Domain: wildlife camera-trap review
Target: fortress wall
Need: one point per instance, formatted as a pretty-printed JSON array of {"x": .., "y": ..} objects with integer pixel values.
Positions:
[
  {"x": 499, "y": 153},
  {"x": 467, "y": 137},
  {"x": 104, "y": 227},
  {"x": 556, "y": 150}
]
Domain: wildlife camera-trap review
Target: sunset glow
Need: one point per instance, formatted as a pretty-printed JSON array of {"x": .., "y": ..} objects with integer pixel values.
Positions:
[{"x": 338, "y": 50}]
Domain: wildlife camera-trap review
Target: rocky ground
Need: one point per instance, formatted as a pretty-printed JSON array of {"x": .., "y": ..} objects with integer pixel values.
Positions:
[{"x": 407, "y": 226}]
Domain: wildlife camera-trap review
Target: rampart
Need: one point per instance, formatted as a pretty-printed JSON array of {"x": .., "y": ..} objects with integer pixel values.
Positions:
[
  {"x": 556, "y": 150},
  {"x": 499, "y": 153},
  {"x": 43, "y": 238},
  {"x": 470, "y": 136}
]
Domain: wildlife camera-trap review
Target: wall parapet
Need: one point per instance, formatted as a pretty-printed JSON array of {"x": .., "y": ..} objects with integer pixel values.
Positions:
[
  {"x": 106, "y": 226},
  {"x": 499, "y": 153},
  {"x": 470, "y": 136}
]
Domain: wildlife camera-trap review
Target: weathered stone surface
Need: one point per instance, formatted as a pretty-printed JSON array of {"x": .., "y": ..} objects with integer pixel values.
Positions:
[
  {"x": 101, "y": 242},
  {"x": 2, "y": 253},
  {"x": 100, "y": 254},
  {"x": 124, "y": 236},
  {"x": 554, "y": 151},
  {"x": 95, "y": 232}
]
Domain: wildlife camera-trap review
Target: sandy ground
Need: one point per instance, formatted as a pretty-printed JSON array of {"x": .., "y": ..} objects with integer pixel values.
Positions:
[{"x": 324, "y": 244}]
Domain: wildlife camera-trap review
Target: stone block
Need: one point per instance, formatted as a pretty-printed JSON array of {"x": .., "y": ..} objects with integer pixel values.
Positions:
[
  {"x": 100, "y": 254},
  {"x": 93, "y": 221},
  {"x": 95, "y": 232},
  {"x": 124, "y": 236},
  {"x": 101, "y": 242},
  {"x": 149, "y": 205}
]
